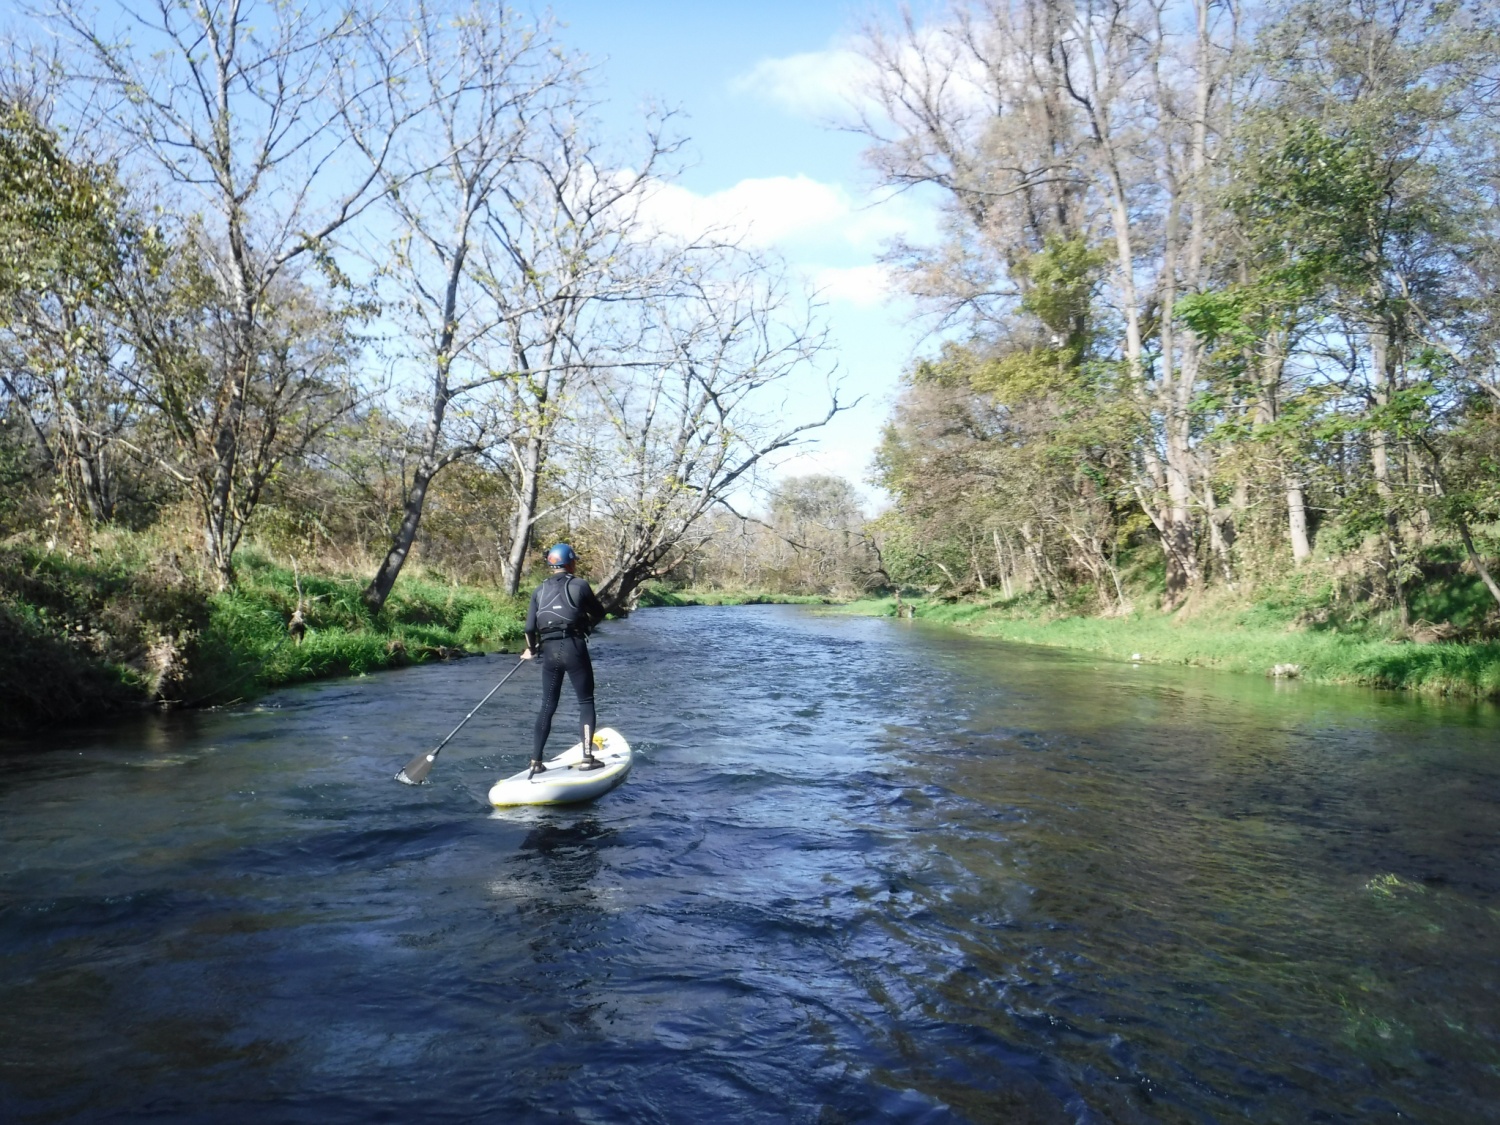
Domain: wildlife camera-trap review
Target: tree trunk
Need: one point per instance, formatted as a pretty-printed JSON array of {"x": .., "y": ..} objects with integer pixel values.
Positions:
[
  {"x": 220, "y": 533},
  {"x": 381, "y": 585},
  {"x": 1220, "y": 538},
  {"x": 428, "y": 467},
  {"x": 92, "y": 484},
  {"x": 1007, "y": 586},
  {"x": 521, "y": 525},
  {"x": 1484, "y": 574},
  {"x": 1383, "y": 369},
  {"x": 1181, "y": 353},
  {"x": 1296, "y": 518}
]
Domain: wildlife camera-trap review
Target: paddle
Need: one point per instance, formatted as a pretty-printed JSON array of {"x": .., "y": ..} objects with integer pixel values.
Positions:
[{"x": 415, "y": 771}]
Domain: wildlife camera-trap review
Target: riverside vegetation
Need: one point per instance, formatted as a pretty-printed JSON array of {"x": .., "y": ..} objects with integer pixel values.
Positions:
[
  {"x": 406, "y": 304},
  {"x": 1316, "y": 623},
  {"x": 1262, "y": 639},
  {"x": 1218, "y": 377},
  {"x": 130, "y": 624}
]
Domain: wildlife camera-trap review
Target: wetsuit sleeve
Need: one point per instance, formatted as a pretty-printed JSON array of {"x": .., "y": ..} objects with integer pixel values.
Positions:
[
  {"x": 533, "y": 642},
  {"x": 592, "y": 608}
]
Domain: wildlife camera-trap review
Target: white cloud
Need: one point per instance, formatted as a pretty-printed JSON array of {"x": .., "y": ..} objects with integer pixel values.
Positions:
[
  {"x": 864, "y": 286},
  {"x": 762, "y": 212},
  {"x": 816, "y": 84},
  {"x": 791, "y": 213},
  {"x": 841, "y": 83}
]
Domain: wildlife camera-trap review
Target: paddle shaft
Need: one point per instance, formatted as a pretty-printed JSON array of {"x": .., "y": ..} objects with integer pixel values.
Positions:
[{"x": 418, "y": 768}]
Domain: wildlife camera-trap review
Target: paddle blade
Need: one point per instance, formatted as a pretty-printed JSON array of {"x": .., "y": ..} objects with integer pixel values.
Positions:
[{"x": 415, "y": 771}]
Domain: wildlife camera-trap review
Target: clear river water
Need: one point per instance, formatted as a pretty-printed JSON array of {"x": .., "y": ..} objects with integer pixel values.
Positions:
[{"x": 864, "y": 870}]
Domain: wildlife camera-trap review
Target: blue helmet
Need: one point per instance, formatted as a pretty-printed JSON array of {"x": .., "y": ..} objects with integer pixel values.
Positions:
[{"x": 561, "y": 555}]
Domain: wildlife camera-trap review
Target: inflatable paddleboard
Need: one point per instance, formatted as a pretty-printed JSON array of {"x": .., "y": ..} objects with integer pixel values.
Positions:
[{"x": 565, "y": 781}]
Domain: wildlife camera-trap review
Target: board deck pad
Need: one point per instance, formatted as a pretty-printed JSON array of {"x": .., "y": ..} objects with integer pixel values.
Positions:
[{"x": 565, "y": 781}]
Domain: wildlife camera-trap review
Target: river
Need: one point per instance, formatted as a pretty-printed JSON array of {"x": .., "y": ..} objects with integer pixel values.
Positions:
[{"x": 863, "y": 870}]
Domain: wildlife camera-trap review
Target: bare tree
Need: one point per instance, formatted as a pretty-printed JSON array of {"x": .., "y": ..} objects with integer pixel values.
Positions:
[
  {"x": 978, "y": 108},
  {"x": 565, "y": 263},
  {"x": 688, "y": 431},
  {"x": 480, "y": 87},
  {"x": 182, "y": 338},
  {"x": 239, "y": 106},
  {"x": 509, "y": 252},
  {"x": 1094, "y": 119}
]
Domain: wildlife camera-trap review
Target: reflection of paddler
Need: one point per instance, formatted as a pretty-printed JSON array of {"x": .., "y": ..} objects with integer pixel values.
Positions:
[
  {"x": 564, "y": 610},
  {"x": 569, "y": 856}
]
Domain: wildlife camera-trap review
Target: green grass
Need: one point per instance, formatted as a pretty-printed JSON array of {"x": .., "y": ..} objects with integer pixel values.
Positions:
[
  {"x": 89, "y": 635},
  {"x": 247, "y": 645},
  {"x": 86, "y": 636},
  {"x": 1251, "y": 639}
]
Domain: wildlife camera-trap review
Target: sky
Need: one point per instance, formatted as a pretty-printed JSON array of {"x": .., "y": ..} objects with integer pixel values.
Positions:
[{"x": 756, "y": 85}]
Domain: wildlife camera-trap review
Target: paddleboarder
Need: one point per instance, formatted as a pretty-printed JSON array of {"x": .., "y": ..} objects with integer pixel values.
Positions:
[{"x": 563, "y": 611}]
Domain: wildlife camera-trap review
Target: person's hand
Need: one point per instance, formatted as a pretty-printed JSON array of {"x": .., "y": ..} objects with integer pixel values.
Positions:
[{"x": 526, "y": 655}]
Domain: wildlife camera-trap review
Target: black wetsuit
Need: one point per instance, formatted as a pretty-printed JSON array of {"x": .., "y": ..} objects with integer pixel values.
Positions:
[{"x": 564, "y": 610}]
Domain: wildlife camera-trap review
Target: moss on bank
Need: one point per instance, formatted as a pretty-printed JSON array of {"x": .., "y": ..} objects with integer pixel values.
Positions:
[
  {"x": 1254, "y": 639},
  {"x": 82, "y": 638}
]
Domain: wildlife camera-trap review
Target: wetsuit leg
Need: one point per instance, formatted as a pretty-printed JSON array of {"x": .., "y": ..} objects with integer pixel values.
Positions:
[
  {"x": 564, "y": 656},
  {"x": 581, "y": 676},
  {"x": 552, "y": 680}
]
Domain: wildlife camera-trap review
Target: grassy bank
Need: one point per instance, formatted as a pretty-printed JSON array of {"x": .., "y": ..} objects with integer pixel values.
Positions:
[
  {"x": 1253, "y": 639},
  {"x": 423, "y": 620},
  {"x": 128, "y": 626}
]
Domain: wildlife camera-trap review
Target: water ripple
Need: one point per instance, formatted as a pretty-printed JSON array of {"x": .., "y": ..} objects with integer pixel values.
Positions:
[{"x": 862, "y": 871}]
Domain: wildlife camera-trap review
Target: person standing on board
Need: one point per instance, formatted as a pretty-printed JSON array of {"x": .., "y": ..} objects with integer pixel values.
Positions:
[{"x": 564, "y": 610}]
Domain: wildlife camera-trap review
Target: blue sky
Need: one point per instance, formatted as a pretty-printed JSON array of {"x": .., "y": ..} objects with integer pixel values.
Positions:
[{"x": 756, "y": 84}]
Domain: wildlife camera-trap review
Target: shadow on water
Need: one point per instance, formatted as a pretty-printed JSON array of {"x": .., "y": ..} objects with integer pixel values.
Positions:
[
  {"x": 862, "y": 870},
  {"x": 568, "y": 855}
]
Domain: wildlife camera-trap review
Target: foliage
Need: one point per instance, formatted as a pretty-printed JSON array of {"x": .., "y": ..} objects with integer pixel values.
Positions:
[
  {"x": 66, "y": 239},
  {"x": 659, "y": 595},
  {"x": 814, "y": 543},
  {"x": 1219, "y": 323},
  {"x": 134, "y": 623},
  {"x": 1255, "y": 338},
  {"x": 248, "y": 647}
]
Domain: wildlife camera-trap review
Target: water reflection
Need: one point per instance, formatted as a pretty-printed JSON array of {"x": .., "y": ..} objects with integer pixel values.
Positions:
[{"x": 570, "y": 852}]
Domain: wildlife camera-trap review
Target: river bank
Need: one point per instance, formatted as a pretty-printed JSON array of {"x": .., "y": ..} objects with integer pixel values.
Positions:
[
  {"x": 1257, "y": 640},
  {"x": 131, "y": 626}
]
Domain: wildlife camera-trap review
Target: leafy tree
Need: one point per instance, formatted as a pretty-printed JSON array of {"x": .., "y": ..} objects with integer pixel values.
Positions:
[{"x": 66, "y": 237}]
